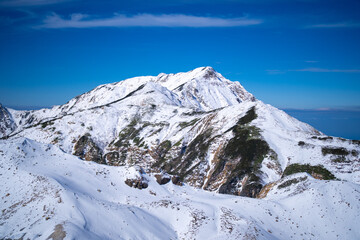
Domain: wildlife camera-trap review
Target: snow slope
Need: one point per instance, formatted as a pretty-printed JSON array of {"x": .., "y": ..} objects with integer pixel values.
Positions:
[{"x": 46, "y": 193}]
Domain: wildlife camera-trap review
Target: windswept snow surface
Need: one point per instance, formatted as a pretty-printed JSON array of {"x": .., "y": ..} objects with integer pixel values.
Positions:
[{"x": 44, "y": 189}]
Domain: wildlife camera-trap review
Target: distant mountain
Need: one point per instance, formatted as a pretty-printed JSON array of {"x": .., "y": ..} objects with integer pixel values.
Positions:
[{"x": 195, "y": 128}]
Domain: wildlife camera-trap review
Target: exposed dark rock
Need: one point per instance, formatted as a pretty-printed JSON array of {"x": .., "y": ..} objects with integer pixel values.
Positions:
[
  {"x": 7, "y": 124},
  {"x": 47, "y": 123},
  {"x": 209, "y": 73},
  {"x": 291, "y": 182},
  {"x": 58, "y": 234},
  {"x": 187, "y": 124},
  {"x": 162, "y": 179},
  {"x": 136, "y": 183},
  {"x": 335, "y": 151},
  {"x": 325, "y": 138},
  {"x": 115, "y": 158},
  {"x": 162, "y": 149},
  {"x": 239, "y": 161},
  {"x": 127, "y": 134},
  {"x": 301, "y": 143},
  {"x": 188, "y": 163},
  {"x": 86, "y": 149},
  {"x": 251, "y": 189},
  {"x": 176, "y": 180}
]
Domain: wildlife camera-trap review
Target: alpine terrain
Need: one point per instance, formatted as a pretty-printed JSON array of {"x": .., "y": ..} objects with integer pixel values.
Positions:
[{"x": 175, "y": 156}]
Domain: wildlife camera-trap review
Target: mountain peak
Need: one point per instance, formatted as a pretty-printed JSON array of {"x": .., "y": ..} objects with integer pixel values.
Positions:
[
  {"x": 208, "y": 72},
  {"x": 204, "y": 89},
  {"x": 204, "y": 69}
]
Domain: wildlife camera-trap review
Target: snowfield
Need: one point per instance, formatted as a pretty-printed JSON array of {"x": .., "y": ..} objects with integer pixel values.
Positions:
[
  {"x": 46, "y": 192},
  {"x": 175, "y": 156}
]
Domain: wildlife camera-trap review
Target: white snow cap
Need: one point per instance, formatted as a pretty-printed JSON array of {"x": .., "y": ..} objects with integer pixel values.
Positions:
[{"x": 202, "y": 88}]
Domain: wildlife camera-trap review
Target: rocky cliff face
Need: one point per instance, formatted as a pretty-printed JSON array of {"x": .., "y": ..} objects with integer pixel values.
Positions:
[
  {"x": 7, "y": 124},
  {"x": 199, "y": 126}
]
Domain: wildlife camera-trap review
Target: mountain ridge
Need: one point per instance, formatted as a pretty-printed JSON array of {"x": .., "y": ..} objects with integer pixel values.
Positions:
[{"x": 100, "y": 95}]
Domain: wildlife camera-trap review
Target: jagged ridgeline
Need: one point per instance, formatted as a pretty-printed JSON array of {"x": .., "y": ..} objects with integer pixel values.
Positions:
[{"x": 195, "y": 127}]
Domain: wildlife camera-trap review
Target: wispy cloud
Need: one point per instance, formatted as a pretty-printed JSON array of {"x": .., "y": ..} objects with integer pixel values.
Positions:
[
  {"x": 324, "y": 70},
  {"x": 336, "y": 25},
  {"x": 275, "y": 72},
  {"x": 327, "y": 109},
  {"x": 25, "y": 3},
  {"x": 311, "y": 61},
  {"x": 144, "y": 20},
  {"x": 314, "y": 70}
]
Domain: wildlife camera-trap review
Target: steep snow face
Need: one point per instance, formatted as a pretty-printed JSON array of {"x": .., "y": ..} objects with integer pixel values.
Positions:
[
  {"x": 7, "y": 124},
  {"x": 202, "y": 88},
  {"x": 205, "y": 89},
  {"x": 48, "y": 194}
]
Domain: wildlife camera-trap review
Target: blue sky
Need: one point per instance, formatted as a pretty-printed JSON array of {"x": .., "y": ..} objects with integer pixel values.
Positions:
[{"x": 301, "y": 54}]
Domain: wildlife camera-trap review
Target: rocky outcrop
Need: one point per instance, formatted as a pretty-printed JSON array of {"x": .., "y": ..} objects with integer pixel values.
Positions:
[
  {"x": 136, "y": 183},
  {"x": 137, "y": 178},
  {"x": 176, "y": 180},
  {"x": 7, "y": 124},
  {"x": 162, "y": 178},
  {"x": 115, "y": 158},
  {"x": 86, "y": 149},
  {"x": 237, "y": 165}
]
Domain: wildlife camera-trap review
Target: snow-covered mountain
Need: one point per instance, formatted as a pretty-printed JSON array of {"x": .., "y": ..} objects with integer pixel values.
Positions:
[{"x": 195, "y": 128}]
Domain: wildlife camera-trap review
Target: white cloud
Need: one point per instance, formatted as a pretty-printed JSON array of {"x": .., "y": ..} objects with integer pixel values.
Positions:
[
  {"x": 144, "y": 20},
  {"x": 311, "y": 61},
  {"x": 328, "y": 70}
]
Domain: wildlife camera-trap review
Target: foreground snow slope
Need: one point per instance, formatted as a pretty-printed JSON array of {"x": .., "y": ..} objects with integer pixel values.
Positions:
[{"x": 49, "y": 194}]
